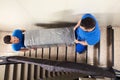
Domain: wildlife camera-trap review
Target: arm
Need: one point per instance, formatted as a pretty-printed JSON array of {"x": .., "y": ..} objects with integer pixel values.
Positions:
[
  {"x": 23, "y": 30},
  {"x": 81, "y": 42},
  {"x": 78, "y": 24},
  {"x": 24, "y": 49}
]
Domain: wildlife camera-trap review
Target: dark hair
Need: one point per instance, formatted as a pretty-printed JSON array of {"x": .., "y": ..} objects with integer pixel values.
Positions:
[
  {"x": 88, "y": 23},
  {"x": 7, "y": 39}
]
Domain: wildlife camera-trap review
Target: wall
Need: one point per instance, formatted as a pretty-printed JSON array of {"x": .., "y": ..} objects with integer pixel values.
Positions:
[{"x": 25, "y": 13}]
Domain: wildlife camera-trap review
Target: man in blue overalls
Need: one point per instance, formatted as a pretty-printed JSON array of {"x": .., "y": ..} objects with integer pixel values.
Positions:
[
  {"x": 87, "y": 32},
  {"x": 16, "y": 39}
]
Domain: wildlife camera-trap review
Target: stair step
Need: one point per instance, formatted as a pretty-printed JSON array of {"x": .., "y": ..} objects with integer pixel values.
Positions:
[
  {"x": 81, "y": 58},
  {"x": 61, "y": 53},
  {"x": 93, "y": 54},
  {"x": 54, "y": 56},
  {"x": 24, "y": 71},
  {"x": 104, "y": 79},
  {"x": 2, "y": 70},
  {"x": 71, "y": 76},
  {"x": 116, "y": 48},
  {"x": 16, "y": 71},
  {"x": 90, "y": 55},
  {"x": 8, "y": 72},
  {"x": 103, "y": 48},
  {"x": 46, "y": 55},
  {"x": 71, "y": 53},
  {"x": 36, "y": 67}
]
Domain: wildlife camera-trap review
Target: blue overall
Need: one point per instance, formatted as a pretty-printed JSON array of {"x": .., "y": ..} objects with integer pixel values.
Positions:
[
  {"x": 17, "y": 46},
  {"x": 91, "y": 38}
]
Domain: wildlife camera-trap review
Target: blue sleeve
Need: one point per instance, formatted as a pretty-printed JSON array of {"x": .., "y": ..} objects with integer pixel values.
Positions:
[
  {"x": 93, "y": 38},
  {"x": 93, "y": 41},
  {"x": 15, "y": 47},
  {"x": 16, "y": 32}
]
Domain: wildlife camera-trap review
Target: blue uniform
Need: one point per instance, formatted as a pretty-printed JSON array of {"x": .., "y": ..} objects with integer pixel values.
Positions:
[
  {"x": 91, "y": 38},
  {"x": 17, "y": 46}
]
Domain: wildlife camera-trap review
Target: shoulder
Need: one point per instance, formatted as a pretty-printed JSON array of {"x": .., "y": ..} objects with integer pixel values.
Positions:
[
  {"x": 16, "y": 47},
  {"x": 17, "y": 31}
]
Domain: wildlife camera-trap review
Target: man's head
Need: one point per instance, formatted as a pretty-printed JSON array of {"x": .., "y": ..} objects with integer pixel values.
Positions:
[
  {"x": 8, "y": 39},
  {"x": 87, "y": 24}
]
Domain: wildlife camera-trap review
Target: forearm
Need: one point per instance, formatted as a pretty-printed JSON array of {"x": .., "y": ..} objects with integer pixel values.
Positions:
[
  {"x": 23, "y": 30},
  {"x": 77, "y": 25},
  {"x": 83, "y": 43},
  {"x": 24, "y": 49}
]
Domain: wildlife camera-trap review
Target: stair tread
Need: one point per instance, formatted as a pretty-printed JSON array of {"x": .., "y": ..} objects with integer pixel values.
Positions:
[{"x": 116, "y": 48}]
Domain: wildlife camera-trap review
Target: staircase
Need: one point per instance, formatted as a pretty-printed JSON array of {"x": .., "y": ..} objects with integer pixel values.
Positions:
[{"x": 103, "y": 54}]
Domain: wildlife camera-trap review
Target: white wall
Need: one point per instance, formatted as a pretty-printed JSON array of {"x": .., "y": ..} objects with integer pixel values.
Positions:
[{"x": 25, "y": 13}]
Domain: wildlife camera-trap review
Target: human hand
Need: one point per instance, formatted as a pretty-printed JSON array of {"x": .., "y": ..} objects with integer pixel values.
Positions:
[
  {"x": 74, "y": 28},
  {"x": 34, "y": 48},
  {"x": 81, "y": 42},
  {"x": 76, "y": 41},
  {"x": 23, "y": 30}
]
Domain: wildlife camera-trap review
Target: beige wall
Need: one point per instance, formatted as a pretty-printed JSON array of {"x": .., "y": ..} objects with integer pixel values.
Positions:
[{"x": 25, "y": 13}]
